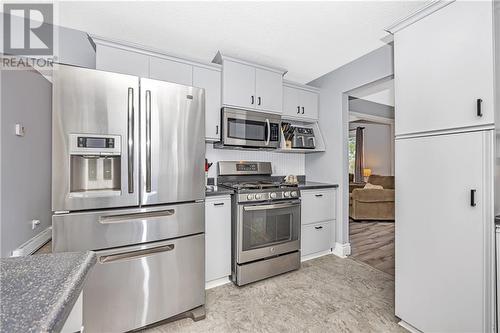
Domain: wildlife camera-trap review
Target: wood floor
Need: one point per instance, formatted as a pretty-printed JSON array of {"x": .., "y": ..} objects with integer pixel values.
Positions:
[{"x": 373, "y": 244}]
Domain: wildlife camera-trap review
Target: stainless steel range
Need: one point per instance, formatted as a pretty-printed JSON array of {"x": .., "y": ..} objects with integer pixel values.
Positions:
[{"x": 265, "y": 221}]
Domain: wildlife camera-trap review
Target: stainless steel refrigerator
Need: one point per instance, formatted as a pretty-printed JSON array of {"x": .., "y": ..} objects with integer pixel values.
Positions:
[{"x": 128, "y": 183}]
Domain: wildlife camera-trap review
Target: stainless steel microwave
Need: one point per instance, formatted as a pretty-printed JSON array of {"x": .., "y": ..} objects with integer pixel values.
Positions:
[{"x": 250, "y": 128}]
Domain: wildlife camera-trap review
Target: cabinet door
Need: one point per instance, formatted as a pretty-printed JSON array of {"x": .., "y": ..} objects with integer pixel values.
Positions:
[
  {"x": 443, "y": 65},
  {"x": 217, "y": 238},
  {"x": 291, "y": 105},
  {"x": 317, "y": 206},
  {"x": 269, "y": 90},
  {"x": 308, "y": 104},
  {"x": 116, "y": 60},
  {"x": 210, "y": 80},
  {"x": 170, "y": 71},
  {"x": 238, "y": 85},
  {"x": 440, "y": 236}
]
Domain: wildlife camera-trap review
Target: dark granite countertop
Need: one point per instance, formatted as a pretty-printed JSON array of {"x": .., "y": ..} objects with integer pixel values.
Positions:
[
  {"x": 217, "y": 190},
  {"x": 307, "y": 185},
  {"x": 38, "y": 292}
]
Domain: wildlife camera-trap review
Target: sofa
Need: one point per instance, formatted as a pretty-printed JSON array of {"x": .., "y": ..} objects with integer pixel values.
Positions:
[{"x": 373, "y": 204}]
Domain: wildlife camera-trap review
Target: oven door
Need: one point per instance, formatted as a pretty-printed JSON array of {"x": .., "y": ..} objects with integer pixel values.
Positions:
[
  {"x": 267, "y": 229},
  {"x": 250, "y": 129}
]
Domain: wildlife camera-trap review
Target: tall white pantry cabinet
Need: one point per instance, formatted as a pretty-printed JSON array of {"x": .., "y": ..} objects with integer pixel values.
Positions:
[{"x": 444, "y": 124}]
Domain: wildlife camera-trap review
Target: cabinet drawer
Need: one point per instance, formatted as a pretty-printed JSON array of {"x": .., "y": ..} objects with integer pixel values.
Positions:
[
  {"x": 315, "y": 238},
  {"x": 318, "y": 206}
]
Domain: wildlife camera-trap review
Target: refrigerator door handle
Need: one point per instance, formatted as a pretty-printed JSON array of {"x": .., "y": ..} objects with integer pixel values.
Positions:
[
  {"x": 130, "y": 139},
  {"x": 148, "y": 141},
  {"x": 107, "y": 219},
  {"x": 135, "y": 254}
]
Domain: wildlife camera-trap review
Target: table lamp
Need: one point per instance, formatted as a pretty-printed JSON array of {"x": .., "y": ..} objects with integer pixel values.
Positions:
[{"x": 366, "y": 174}]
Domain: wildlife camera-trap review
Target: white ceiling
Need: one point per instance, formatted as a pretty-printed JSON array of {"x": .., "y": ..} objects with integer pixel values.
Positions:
[{"x": 308, "y": 39}]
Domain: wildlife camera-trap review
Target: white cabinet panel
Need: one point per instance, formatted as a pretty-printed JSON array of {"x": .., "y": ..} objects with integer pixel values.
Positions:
[
  {"x": 291, "y": 104},
  {"x": 440, "y": 236},
  {"x": 308, "y": 104},
  {"x": 117, "y": 60},
  {"x": 443, "y": 64},
  {"x": 210, "y": 80},
  {"x": 238, "y": 85},
  {"x": 268, "y": 90},
  {"x": 171, "y": 71},
  {"x": 300, "y": 103},
  {"x": 317, "y": 205},
  {"x": 315, "y": 238},
  {"x": 217, "y": 238}
]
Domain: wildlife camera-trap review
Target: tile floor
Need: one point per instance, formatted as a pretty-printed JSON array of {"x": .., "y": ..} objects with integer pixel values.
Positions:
[{"x": 327, "y": 294}]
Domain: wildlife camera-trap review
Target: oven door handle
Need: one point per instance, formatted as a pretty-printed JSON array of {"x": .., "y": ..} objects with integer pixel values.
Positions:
[
  {"x": 271, "y": 206},
  {"x": 268, "y": 132}
]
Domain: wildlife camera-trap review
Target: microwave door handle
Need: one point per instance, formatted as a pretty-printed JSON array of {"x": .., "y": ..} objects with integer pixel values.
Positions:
[{"x": 268, "y": 132}]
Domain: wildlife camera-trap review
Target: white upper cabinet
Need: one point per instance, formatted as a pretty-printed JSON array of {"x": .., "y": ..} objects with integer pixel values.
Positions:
[
  {"x": 171, "y": 71},
  {"x": 443, "y": 67},
  {"x": 300, "y": 102},
  {"x": 268, "y": 90},
  {"x": 238, "y": 85},
  {"x": 210, "y": 80},
  {"x": 250, "y": 86},
  {"x": 113, "y": 59}
]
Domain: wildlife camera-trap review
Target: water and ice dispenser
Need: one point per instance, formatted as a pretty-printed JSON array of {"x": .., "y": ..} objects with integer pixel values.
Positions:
[{"x": 95, "y": 165}]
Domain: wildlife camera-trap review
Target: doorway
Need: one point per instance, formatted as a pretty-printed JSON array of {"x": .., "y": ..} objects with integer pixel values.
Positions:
[{"x": 371, "y": 174}]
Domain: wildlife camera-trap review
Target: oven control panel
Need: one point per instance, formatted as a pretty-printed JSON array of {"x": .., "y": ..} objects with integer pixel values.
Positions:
[{"x": 278, "y": 194}]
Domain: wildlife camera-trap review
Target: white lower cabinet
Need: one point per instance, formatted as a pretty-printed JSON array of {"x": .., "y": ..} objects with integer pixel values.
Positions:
[
  {"x": 217, "y": 237},
  {"x": 315, "y": 237},
  {"x": 318, "y": 221},
  {"x": 444, "y": 232}
]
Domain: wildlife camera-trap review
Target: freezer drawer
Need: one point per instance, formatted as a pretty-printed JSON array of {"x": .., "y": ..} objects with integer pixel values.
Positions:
[
  {"x": 121, "y": 227},
  {"x": 134, "y": 286}
]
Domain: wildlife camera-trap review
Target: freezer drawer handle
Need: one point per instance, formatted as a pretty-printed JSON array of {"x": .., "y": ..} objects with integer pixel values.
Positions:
[
  {"x": 130, "y": 141},
  {"x": 135, "y": 216},
  {"x": 148, "y": 141},
  {"x": 473, "y": 198},
  {"x": 135, "y": 254}
]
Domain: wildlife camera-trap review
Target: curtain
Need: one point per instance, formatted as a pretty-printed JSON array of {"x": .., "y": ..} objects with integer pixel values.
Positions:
[{"x": 358, "y": 158}]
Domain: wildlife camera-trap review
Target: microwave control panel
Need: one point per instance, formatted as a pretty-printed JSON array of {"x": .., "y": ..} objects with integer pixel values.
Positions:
[{"x": 275, "y": 132}]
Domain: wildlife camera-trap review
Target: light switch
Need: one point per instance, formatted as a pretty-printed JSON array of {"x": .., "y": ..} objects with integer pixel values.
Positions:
[{"x": 20, "y": 130}]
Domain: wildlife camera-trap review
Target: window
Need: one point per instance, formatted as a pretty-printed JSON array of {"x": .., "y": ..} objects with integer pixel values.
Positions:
[{"x": 352, "y": 152}]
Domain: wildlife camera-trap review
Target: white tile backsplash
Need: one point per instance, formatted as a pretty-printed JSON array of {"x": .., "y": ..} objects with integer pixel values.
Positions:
[{"x": 283, "y": 163}]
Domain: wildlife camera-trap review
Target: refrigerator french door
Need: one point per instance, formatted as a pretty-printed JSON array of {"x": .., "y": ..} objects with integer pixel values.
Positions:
[
  {"x": 172, "y": 143},
  {"x": 95, "y": 139}
]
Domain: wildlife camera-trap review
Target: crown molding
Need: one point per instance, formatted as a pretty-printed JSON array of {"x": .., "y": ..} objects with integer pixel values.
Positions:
[{"x": 417, "y": 15}]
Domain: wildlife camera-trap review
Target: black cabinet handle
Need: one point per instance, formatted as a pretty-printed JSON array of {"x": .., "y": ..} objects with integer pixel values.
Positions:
[
  {"x": 319, "y": 195},
  {"x": 253, "y": 99},
  {"x": 302, "y": 110},
  {"x": 479, "y": 110},
  {"x": 317, "y": 228},
  {"x": 473, "y": 198},
  {"x": 216, "y": 129},
  {"x": 258, "y": 100},
  {"x": 219, "y": 204},
  {"x": 298, "y": 109}
]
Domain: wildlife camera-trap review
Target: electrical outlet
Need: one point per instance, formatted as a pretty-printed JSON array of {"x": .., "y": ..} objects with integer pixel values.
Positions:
[
  {"x": 20, "y": 131},
  {"x": 34, "y": 224}
]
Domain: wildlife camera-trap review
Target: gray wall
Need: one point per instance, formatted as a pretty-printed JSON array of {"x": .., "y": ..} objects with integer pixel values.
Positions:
[
  {"x": 332, "y": 165},
  {"x": 26, "y": 98},
  {"x": 378, "y": 147},
  {"x": 367, "y": 107}
]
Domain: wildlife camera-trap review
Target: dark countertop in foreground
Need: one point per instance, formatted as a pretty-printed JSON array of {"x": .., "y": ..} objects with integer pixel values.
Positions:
[
  {"x": 38, "y": 292},
  {"x": 217, "y": 190},
  {"x": 315, "y": 185}
]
